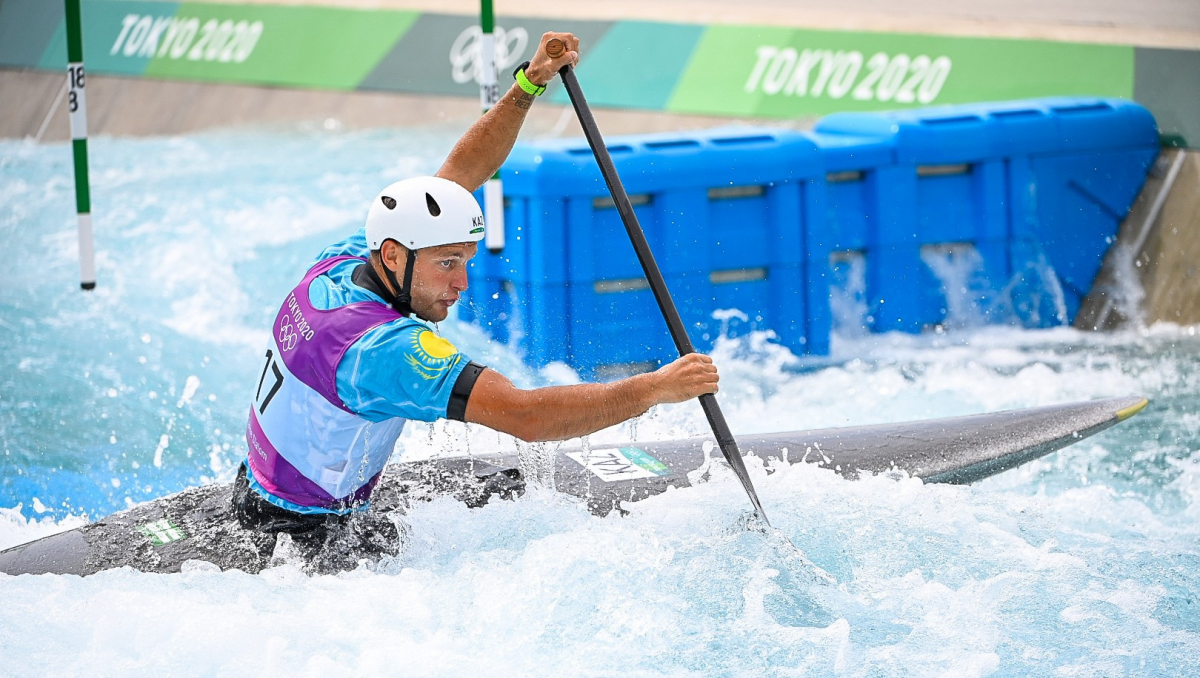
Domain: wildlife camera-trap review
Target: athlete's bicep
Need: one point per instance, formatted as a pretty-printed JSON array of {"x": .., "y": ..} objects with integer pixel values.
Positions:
[{"x": 460, "y": 393}]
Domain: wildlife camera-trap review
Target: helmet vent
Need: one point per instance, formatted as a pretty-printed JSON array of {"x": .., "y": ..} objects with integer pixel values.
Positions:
[
  {"x": 434, "y": 208},
  {"x": 389, "y": 202}
]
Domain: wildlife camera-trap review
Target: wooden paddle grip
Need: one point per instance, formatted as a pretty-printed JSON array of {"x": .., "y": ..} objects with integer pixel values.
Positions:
[{"x": 555, "y": 48}]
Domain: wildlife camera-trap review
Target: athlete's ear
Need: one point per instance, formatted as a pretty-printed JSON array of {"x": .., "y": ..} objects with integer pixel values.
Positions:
[{"x": 393, "y": 255}]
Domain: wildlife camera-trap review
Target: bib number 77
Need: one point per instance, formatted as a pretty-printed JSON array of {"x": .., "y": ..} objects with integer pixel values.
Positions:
[{"x": 273, "y": 367}]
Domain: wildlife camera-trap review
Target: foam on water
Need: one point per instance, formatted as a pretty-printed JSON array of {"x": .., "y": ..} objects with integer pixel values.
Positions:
[{"x": 1082, "y": 563}]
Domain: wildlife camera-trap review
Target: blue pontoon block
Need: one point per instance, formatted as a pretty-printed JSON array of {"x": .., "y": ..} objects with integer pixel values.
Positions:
[
  {"x": 723, "y": 210},
  {"x": 759, "y": 219},
  {"x": 1029, "y": 184}
]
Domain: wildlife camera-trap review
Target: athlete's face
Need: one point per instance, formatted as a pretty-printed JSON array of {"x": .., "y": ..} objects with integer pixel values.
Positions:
[{"x": 439, "y": 278}]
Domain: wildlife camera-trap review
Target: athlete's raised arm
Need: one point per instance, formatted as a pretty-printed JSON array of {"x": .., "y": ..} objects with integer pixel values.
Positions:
[
  {"x": 481, "y": 151},
  {"x": 562, "y": 412}
]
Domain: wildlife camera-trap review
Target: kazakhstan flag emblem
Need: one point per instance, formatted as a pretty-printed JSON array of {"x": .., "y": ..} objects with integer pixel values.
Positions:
[{"x": 431, "y": 355}]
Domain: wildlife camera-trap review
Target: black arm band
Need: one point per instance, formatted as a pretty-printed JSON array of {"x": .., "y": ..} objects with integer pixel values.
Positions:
[{"x": 457, "y": 408}]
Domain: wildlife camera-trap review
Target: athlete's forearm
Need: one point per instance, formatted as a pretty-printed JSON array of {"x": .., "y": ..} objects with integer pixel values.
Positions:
[
  {"x": 558, "y": 412},
  {"x": 564, "y": 412},
  {"x": 481, "y": 151},
  {"x": 561, "y": 412}
]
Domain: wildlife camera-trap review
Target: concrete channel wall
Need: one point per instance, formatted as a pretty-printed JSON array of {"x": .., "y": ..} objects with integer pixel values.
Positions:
[
  {"x": 1152, "y": 274},
  {"x": 1171, "y": 258},
  {"x": 32, "y": 106}
]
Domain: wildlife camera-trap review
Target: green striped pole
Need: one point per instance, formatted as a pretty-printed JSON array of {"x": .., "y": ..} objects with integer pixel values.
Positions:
[
  {"x": 77, "y": 105},
  {"x": 489, "y": 94}
]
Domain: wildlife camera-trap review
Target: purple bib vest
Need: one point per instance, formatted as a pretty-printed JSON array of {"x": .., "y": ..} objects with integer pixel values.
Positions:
[{"x": 305, "y": 445}]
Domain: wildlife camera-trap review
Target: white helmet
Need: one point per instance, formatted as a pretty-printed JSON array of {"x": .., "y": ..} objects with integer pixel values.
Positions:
[{"x": 424, "y": 212}]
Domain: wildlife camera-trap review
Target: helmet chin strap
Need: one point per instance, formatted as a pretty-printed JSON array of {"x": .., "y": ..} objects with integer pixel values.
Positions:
[{"x": 402, "y": 300}]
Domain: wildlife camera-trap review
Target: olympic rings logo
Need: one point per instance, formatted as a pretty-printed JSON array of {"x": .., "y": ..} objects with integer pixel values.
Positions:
[
  {"x": 287, "y": 336},
  {"x": 465, "y": 58}
]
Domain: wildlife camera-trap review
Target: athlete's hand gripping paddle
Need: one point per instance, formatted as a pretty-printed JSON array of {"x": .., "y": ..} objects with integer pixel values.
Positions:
[{"x": 716, "y": 419}]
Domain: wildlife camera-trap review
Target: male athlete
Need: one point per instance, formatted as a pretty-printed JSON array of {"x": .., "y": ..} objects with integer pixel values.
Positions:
[{"x": 350, "y": 360}]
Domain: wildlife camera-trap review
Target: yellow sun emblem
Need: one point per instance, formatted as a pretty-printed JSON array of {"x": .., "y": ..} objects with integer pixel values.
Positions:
[
  {"x": 435, "y": 346},
  {"x": 431, "y": 355}
]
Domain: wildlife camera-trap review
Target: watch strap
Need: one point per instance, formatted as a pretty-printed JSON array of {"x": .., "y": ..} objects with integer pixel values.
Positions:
[{"x": 524, "y": 83}]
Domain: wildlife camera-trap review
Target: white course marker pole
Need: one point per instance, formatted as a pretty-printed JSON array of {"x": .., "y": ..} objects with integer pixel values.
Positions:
[
  {"x": 489, "y": 94},
  {"x": 77, "y": 106}
]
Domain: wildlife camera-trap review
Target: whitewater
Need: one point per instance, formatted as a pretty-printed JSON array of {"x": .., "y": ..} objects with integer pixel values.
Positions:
[{"x": 1083, "y": 563}]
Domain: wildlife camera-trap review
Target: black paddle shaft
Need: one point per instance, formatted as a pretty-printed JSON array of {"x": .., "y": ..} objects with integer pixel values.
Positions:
[{"x": 665, "y": 303}]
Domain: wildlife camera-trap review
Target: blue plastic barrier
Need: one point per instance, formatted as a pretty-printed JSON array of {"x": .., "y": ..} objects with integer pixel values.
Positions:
[
  {"x": 758, "y": 219},
  {"x": 723, "y": 211},
  {"x": 1026, "y": 183},
  {"x": 848, "y": 199}
]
